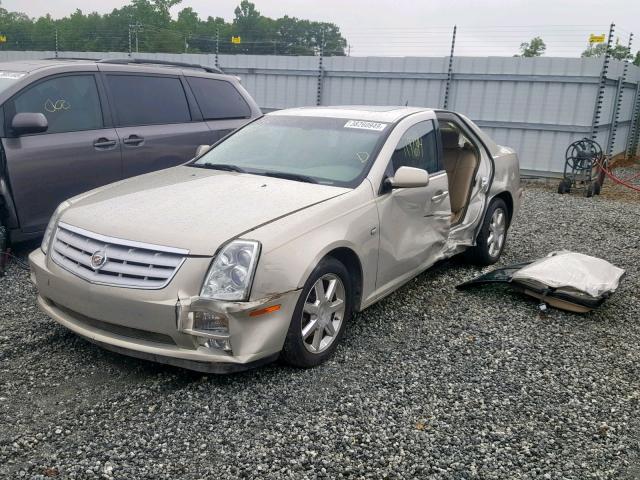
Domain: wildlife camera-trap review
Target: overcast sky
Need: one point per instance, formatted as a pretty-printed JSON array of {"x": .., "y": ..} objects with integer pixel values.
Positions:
[{"x": 421, "y": 27}]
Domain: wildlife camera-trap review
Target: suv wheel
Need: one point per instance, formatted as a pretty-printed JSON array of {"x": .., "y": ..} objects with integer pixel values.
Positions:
[
  {"x": 320, "y": 315},
  {"x": 492, "y": 236}
]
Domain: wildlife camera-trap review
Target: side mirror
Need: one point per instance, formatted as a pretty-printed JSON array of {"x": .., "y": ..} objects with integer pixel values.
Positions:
[
  {"x": 409, "y": 177},
  {"x": 29, "y": 122},
  {"x": 202, "y": 149}
]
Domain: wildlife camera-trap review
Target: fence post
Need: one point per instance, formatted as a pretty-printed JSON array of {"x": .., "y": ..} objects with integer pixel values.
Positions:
[
  {"x": 320, "y": 72},
  {"x": 217, "y": 46},
  {"x": 634, "y": 127},
  {"x": 129, "y": 39},
  {"x": 56, "y": 42},
  {"x": 447, "y": 88},
  {"x": 615, "y": 115},
  {"x": 597, "y": 110}
]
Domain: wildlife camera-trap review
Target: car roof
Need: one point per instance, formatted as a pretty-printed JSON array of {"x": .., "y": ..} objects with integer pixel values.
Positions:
[{"x": 361, "y": 112}]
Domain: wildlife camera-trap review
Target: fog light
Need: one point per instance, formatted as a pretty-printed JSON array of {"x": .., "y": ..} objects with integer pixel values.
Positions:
[
  {"x": 210, "y": 322},
  {"x": 219, "y": 344}
]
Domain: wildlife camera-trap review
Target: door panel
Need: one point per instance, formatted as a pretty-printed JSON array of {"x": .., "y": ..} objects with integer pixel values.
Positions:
[
  {"x": 46, "y": 169},
  {"x": 414, "y": 222},
  {"x": 79, "y": 150},
  {"x": 154, "y": 147},
  {"x": 414, "y": 225}
]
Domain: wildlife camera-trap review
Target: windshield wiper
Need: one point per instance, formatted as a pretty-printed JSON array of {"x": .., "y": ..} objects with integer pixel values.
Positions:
[
  {"x": 291, "y": 176},
  {"x": 219, "y": 166}
]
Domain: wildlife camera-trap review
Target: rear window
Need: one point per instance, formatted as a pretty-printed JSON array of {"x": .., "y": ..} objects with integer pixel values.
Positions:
[
  {"x": 146, "y": 100},
  {"x": 218, "y": 99}
]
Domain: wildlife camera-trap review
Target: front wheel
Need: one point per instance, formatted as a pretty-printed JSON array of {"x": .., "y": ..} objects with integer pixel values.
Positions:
[
  {"x": 492, "y": 235},
  {"x": 320, "y": 315}
]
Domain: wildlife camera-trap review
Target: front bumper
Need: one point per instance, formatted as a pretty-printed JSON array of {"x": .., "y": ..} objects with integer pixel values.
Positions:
[{"x": 146, "y": 323}]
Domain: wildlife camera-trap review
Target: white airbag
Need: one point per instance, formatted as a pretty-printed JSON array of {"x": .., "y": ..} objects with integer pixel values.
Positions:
[{"x": 565, "y": 269}]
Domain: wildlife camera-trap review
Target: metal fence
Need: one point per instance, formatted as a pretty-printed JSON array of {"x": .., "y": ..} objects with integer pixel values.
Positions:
[{"x": 536, "y": 105}]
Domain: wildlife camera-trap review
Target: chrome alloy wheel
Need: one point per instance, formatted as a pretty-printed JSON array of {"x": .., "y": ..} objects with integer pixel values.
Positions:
[
  {"x": 497, "y": 232},
  {"x": 323, "y": 313}
]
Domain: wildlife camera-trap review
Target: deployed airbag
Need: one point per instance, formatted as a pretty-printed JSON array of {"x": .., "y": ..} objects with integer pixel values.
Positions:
[{"x": 563, "y": 279}]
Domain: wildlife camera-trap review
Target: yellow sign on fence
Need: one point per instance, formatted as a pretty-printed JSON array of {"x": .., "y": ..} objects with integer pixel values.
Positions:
[
  {"x": 596, "y": 38},
  {"x": 235, "y": 39},
  {"x": 3, "y": 38}
]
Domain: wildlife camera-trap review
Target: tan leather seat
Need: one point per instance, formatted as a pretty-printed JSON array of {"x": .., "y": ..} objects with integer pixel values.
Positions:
[{"x": 460, "y": 164}]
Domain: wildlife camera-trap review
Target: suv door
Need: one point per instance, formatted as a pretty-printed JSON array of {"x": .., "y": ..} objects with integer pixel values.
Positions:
[
  {"x": 154, "y": 121},
  {"x": 78, "y": 152},
  {"x": 414, "y": 222},
  {"x": 223, "y": 107}
]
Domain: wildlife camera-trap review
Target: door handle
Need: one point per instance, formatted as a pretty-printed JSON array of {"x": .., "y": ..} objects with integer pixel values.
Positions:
[
  {"x": 104, "y": 143},
  {"x": 133, "y": 140},
  {"x": 439, "y": 196}
]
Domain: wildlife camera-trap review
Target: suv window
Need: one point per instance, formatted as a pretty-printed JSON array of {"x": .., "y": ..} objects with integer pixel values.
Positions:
[
  {"x": 418, "y": 148},
  {"x": 70, "y": 103},
  {"x": 218, "y": 99},
  {"x": 148, "y": 100}
]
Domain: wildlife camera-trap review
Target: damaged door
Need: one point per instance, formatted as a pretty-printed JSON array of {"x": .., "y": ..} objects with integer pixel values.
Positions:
[{"x": 414, "y": 222}]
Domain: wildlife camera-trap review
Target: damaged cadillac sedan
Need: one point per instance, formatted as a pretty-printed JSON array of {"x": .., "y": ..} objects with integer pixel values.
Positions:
[{"x": 265, "y": 245}]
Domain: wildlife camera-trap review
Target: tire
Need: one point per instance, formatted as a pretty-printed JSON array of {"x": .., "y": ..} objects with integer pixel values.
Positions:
[
  {"x": 486, "y": 252},
  {"x": 564, "y": 187},
  {"x": 298, "y": 351},
  {"x": 591, "y": 190},
  {"x": 597, "y": 186}
]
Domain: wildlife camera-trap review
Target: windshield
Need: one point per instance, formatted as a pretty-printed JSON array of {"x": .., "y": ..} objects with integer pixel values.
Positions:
[
  {"x": 9, "y": 78},
  {"x": 330, "y": 151}
]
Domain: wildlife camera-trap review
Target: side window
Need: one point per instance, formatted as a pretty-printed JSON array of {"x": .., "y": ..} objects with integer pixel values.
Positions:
[
  {"x": 218, "y": 99},
  {"x": 418, "y": 148},
  {"x": 148, "y": 100},
  {"x": 70, "y": 103}
]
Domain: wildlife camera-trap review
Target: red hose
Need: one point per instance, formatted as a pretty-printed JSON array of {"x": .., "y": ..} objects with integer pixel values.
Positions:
[{"x": 617, "y": 180}]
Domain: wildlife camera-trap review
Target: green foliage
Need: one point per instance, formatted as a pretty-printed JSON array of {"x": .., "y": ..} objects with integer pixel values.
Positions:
[
  {"x": 535, "y": 48},
  {"x": 154, "y": 30},
  {"x": 618, "y": 51},
  {"x": 636, "y": 61}
]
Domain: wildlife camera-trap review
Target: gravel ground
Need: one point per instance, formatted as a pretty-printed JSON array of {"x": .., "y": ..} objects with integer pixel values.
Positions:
[{"x": 429, "y": 383}]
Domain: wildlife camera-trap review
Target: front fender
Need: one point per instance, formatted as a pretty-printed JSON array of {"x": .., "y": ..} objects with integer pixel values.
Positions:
[{"x": 293, "y": 246}]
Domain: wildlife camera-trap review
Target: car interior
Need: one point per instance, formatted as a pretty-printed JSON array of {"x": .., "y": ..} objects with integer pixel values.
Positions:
[{"x": 461, "y": 160}]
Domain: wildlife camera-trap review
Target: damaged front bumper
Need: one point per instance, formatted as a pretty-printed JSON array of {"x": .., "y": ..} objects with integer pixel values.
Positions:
[{"x": 167, "y": 325}]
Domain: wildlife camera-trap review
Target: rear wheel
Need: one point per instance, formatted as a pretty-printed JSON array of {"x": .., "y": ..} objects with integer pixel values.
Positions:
[
  {"x": 492, "y": 235},
  {"x": 564, "y": 186},
  {"x": 320, "y": 315}
]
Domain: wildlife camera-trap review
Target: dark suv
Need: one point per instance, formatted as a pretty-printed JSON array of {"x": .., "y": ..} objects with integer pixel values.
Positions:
[{"x": 70, "y": 125}]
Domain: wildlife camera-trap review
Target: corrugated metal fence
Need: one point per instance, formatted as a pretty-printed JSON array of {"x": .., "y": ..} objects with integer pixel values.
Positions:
[{"x": 535, "y": 105}]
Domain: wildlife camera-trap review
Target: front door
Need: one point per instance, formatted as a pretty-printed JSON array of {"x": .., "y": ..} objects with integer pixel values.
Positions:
[
  {"x": 154, "y": 122},
  {"x": 414, "y": 222},
  {"x": 75, "y": 154}
]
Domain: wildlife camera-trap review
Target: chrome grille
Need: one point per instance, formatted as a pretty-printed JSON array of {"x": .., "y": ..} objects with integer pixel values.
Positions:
[{"x": 128, "y": 264}]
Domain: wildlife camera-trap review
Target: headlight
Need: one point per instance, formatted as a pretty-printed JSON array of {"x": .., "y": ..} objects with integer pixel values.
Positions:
[
  {"x": 52, "y": 225},
  {"x": 231, "y": 273}
]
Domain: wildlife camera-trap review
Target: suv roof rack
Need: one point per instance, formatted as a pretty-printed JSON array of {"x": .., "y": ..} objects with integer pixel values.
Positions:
[{"x": 144, "y": 61}]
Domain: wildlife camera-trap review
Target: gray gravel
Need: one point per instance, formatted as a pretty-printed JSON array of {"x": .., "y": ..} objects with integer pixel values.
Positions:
[{"x": 428, "y": 383}]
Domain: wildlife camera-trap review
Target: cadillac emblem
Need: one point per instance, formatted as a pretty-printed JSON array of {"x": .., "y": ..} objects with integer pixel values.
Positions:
[{"x": 98, "y": 259}]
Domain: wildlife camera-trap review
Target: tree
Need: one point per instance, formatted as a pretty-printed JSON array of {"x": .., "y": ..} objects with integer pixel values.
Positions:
[
  {"x": 618, "y": 51},
  {"x": 535, "y": 48},
  {"x": 152, "y": 29},
  {"x": 636, "y": 61}
]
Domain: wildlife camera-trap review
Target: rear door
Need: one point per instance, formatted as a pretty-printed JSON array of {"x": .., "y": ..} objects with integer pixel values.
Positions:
[
  {"x": 157, "y": 125},
  {"x": 223, "y": 107},
  {"x": 78, "y": 152}
]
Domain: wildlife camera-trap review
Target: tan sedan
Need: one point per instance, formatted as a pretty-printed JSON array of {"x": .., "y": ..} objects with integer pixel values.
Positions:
[{"x": 265, "y": 244}]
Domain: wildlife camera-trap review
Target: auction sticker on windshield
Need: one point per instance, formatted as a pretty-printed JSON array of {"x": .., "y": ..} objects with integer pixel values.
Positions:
[{"x": 362, "y": 125}]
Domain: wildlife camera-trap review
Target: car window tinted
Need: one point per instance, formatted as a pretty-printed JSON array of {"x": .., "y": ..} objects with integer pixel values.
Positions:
[
  {"x": 418, "y": 148},
  {"x": 70, "y": 103},
  {"x": 333, "y": 151},
  {"x": 218, "y": 99},
  {"x": 147, "y": 100}
]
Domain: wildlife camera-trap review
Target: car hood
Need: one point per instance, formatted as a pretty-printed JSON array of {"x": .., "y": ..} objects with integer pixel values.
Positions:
[{"x": 192, "y": 208}]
